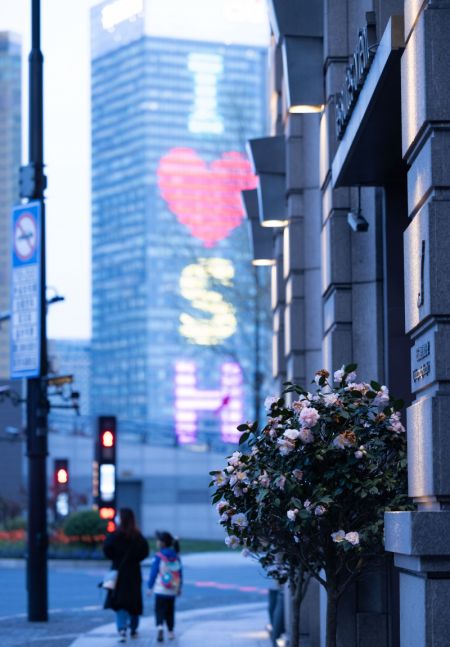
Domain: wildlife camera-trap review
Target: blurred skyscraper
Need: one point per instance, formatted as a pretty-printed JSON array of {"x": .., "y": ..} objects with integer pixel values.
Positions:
[
  {"x": 177, "y": 89},
  {"x": 10, "y": 154}
]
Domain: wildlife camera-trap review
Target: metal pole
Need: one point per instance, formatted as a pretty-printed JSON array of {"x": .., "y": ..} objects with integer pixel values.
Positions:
[{"x": 37, "y": 406}]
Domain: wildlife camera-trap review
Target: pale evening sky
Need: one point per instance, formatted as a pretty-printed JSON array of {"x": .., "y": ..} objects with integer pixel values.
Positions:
[{"x": 65, "y": 43}]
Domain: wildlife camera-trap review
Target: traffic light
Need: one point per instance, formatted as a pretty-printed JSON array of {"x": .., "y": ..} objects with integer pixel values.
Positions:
[
  {"x": 61, "y": 487},
  {"x": 104, "y": 476}
]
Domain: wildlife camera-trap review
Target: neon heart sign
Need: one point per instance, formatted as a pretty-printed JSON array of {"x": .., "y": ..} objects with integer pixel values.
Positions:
[{"x": 205, "y": 198}]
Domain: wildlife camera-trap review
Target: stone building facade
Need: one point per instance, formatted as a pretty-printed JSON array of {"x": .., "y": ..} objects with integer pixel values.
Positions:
[{"x": 360, "y": 92}]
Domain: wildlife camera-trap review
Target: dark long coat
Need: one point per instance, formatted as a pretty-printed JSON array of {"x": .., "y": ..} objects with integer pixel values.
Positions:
[{"x": 126, "y": 555}]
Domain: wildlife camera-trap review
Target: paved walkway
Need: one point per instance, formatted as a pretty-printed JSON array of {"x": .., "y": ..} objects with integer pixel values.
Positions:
[{"x": 230, "y": 626}]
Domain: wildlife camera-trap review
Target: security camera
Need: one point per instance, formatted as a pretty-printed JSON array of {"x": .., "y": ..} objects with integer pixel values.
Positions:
[{"x": 357, "y": 221}]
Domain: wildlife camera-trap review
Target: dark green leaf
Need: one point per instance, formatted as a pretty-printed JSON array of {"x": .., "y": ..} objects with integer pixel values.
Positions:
[{"x": 244, "y": 437}]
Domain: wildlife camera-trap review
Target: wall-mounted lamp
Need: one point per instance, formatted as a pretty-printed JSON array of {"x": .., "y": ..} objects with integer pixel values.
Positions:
[
  {"x": 268, "y": 158},
  {"x": 303, "y": 76},
  {"x": 298, "y": 28},
  {"x": 261, "y": 239}
]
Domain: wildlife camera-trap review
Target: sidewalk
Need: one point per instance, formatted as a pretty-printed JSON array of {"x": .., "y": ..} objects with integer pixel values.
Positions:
[{"x": 230, "y": 626}]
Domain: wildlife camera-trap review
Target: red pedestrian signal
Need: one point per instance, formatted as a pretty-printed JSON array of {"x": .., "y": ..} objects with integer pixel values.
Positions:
[
  {"x": 61, "y": 488},
  {"x": 108, "y": 439},
  {"x": 104, "y": 470},
  {"x": 62, "y": 476}
]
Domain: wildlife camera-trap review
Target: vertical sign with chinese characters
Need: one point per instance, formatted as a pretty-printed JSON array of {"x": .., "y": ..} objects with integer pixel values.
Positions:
[{"x": 25, "y": 288}]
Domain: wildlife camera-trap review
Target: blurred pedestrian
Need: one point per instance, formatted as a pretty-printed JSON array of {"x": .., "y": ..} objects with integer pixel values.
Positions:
[
  {"x": 126, "y": 548},
  {"x": 166, "y": 579}
]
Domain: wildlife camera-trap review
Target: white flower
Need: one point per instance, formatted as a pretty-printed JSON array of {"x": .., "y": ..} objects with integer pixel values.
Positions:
[
  {"x": 301, "y": 403},
  {"x": 306, "y": 436},
  {"x": 269, "y": 401},
  {"x": 355, "y": 386},
  {"x": 338, "y": 536},
  {"x": 352, "y": 538},
  {"x": 235, "y": 458},
  {"x": 285, "y": 445},
  {"x": 229, "y": 469},
  {"x": 320, "y": 510},
  {"x": 220, "y": 479},
  {"x": 221, "y": 506},
  {"x": 339, "y": 375},
  {"x": 239, "y": 520},
  {"x": 292, "y": 514},
  {"x": 307, "y": 504},
  {"x": 395, "y": 424},
  {"x": 238, "y": 477},
  {"x": 359, "y": 454},
  {"x": 298, "y": 474},
  {"x": 342, "y": 441},
  {"x": 232, "y": 541},
  {"x": 292, "y": 434},
  {"x": 280, "y": 482},
  {"x": 330, "y": 399},
  {"x": 309, "y": 416},
  {"x": 382, "y": 397},
  {"x": 224, "y": 517}
]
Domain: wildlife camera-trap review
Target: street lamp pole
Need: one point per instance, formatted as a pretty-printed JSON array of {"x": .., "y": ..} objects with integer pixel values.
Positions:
[{"x": 37, "y": 405}]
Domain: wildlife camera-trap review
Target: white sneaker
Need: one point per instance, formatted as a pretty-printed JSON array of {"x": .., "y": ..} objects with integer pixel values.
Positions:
[
  {"x": 123, "y": 636},
  {"x": 171, "y": 635}
]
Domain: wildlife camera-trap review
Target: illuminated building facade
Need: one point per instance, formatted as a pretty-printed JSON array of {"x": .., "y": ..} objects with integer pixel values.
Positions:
[{"x": 173, "y": 291}]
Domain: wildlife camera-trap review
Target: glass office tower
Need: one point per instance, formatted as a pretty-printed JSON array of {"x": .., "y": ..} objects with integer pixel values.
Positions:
[
  {"x": 177, "y": 89},
  {"x": 10, "y": 153}
]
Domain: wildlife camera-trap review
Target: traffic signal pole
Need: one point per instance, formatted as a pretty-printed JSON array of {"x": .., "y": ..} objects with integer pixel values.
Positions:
[{"x": 37, "y": 404}]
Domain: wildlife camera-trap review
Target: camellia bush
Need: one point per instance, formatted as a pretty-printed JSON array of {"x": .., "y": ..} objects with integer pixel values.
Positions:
[{"x": 307, "y": 493}]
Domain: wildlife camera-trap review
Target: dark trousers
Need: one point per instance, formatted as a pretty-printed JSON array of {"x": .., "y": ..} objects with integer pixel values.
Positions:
[{"x": 165, "y": 611}]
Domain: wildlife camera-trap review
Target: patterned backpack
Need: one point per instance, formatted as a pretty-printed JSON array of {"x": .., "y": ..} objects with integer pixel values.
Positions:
[{"x": 170, "y": 573}]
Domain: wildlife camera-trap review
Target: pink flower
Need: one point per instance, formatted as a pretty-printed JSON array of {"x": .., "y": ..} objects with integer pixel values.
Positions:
[
  {"x": 309, "y": 416},
  {"x": 352, "y": 538},
  {"x": 395, "y": 424},
  {"x": 292, "y": 434},
  {"x": 306, "y": 436},
  {"x": 382, "y": 397},
  {"x": 285, "y": 445},
  {"x": 338, "y": 536},
  {"x": 320, "y": 510},
  {"x": 280, "y": 482}
]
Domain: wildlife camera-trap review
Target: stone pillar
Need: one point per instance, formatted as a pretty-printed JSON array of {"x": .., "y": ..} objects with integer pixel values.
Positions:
[
  {"x": 278, "y": 306},
  {"x": 336, "y": 241},
  {"x": 303, "y": 315},
  {"x": 421, "y": 539}
]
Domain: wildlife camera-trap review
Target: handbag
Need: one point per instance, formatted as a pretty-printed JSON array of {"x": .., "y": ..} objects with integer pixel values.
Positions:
[{"x": 110, "y": 580}]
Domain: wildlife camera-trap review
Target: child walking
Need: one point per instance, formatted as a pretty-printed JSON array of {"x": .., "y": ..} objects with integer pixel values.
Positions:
[{"x": 166, "y": 576}]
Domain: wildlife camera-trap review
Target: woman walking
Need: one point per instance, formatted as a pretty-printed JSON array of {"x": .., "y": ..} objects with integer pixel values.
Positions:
[
  {"x": 126, "y": 548},
  {"x": 165, "y": 581}
]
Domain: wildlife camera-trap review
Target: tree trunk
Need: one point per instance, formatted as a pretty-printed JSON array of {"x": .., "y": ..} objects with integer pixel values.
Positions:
[
  {"x": 296, "y": 600},
  {"x": 332, "y": 602}
]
